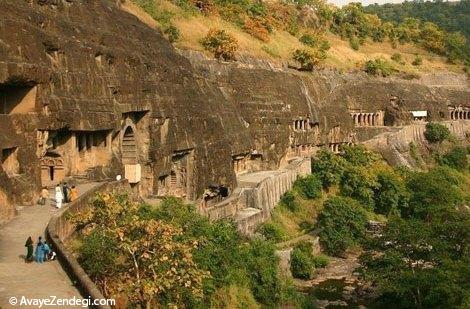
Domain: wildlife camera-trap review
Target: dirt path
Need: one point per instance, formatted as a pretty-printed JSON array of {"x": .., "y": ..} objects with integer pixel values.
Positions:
[{"x": 32, "y": 280}]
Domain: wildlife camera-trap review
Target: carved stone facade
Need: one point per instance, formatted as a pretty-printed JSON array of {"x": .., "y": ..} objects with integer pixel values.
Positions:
[{"x": 100, "y": 99}]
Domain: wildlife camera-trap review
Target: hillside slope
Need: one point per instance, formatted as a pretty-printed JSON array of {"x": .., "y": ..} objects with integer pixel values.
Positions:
[{"x": 194, "y": 26}]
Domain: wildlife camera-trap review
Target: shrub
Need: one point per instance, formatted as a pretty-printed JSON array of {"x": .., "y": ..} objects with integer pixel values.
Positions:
[
  {"x": 354, "y": 43},
  {"x": 324, "y": 45},
  {"x": 172, "y": 33},
  {"x": 396, "y": 57},
  {"x": 262, "y": 266},
  {"x": 379, "y": 67},
  {"x": 308, "y": 59},
  {"x": 417, "y": 61},
  {"x": 257, "y": 28},
  {"x": 342, "y": 224},
  {"x": 222, "y": 44},
  {"x": 289, "y": 201},
  {"x": 301, "y": 261},
  {"x": 456, "y": 158},
  {"x": 273, "y": 232},
  {"x": 309, "y": 40},
  {"x": 436, "y": 132},
  {"x": 328, "y": 167},
  {"x": 320, "y": 261},
  {"x": 309, "y": 186}
]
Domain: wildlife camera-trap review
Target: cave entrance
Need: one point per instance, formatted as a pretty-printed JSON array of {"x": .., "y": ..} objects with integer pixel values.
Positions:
[
  {"x": 52, "y": 171},
  {"x": 17, "y": 98},
  {"x": 129, "y": 148}
]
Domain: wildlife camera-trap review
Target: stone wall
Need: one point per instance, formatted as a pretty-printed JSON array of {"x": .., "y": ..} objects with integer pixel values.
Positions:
[
  {"x": 395, "y": 145},
  {"x": 257, "y": 194}
]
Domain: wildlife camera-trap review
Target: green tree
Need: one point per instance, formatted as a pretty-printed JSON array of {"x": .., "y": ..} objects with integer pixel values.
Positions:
[
  {"x": 419, "y": 264},
  {"x": 432, "y": 192},
  {"x": 390, "y": 195},
  {"x": 342, "y": 224},
  {"x": 152, "y": 264},
  {"x": 436, "y": 132},
  {"x": 328, "y": 167},
  {"x": 359, "y": 183}
]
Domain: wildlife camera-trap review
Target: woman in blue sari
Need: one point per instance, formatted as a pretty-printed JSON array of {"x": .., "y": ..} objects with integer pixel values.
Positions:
[{"x": 39, "y": 251}]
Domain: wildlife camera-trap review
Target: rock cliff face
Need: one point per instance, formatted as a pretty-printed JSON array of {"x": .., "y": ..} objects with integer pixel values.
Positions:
[{"x": 88, "y": 91}]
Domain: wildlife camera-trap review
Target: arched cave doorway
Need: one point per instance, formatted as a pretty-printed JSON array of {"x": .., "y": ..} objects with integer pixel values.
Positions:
[
  {"x": 129, "y": 148},
  {"x": 52, "y": 171}
]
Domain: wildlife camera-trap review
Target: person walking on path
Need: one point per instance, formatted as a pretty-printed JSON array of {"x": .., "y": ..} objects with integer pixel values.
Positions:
[
  {"x": 65, "y": 191},
  {"x": 73, "y": 193},
  {"x": 43, "y": 196},
  {"x": 58, "y": 196},
  {"x": 30, "y": 247},
  {"x": 39, "y": 251},
  {"x": 46, "y": 250}
]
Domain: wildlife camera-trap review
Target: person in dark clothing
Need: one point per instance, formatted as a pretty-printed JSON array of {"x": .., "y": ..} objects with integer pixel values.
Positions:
[
  {"x": 30, "y": 247},
  {"x": 65, "y": 192}
]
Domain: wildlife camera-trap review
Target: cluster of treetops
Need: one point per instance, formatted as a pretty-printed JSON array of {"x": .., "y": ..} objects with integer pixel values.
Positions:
[{"x": 352, "y": 22}]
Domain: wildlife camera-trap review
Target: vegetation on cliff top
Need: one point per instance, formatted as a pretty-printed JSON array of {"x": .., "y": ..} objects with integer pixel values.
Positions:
[{"x": 278, "y": 29}]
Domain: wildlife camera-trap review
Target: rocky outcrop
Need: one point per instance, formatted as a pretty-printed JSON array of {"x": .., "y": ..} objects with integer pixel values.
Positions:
[{"x": 91, "y": 91}]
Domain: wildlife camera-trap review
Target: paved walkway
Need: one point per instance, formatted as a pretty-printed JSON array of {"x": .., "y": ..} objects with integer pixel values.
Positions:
[{"x": 31, "y": 280}]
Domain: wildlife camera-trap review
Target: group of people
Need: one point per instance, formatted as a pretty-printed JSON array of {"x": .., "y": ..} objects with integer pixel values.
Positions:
[
  {"x": 63, "y": 194},
  {"x": 43, "y": 251}
]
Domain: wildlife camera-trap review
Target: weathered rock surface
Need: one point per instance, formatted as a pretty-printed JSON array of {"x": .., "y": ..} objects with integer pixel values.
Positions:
[{"x": 83, "y": 82}]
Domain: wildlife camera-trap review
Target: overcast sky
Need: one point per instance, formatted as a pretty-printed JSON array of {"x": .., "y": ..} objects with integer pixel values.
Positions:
[{"x": 364, "y": 2}]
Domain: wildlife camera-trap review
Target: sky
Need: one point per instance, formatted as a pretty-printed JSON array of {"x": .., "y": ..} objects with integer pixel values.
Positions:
[{"x": 364, "y": 2}]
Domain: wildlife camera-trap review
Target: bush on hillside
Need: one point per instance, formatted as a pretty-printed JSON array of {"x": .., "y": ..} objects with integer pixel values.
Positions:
[
  {"x": 273, "y": 232},
  {"x": 456, "y": 158},
  {"x": 417, "y": 61},
  {"x": 396, "y": 57},
  {"x": 221, "y": 44},
  {"x": 436, "y": 132},
  {"x": 301, "y": 261},
  {"x": 172, "y": 33},
  {"x": 379, "y": 67},
  {"x": 262, "y": 266},
  {"x": 308, "y": 59},
  {"x": 288, "y": 200},
  {"x": 309, "y": 186},
  {"x": 342, "y": 224},
  {"x": 320, "y": 261}
]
